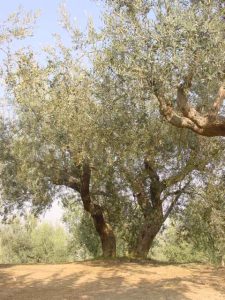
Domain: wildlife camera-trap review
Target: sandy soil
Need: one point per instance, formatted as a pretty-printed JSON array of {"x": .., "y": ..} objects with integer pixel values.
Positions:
[{"x": 111, "y": 280}]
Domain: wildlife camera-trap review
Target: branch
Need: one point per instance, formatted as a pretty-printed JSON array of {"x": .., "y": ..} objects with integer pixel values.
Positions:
[
  {"x": 67, "y": 180},
  {"x": 150, "y": 170},
  {"x": 144, "y": 203},
  {"x": 187, "y": 110},
  {"x": 219, "y": 99},
  {"x": 210, "y": 125},
  {"x": 85, "y": 186},
  {"x": 175, "y": 200},
  {"x": 187, "y": 116},
  {"x": 156, "y": 185},
  {"x": 137, "y": 186},
  {"x": 172, "y": 204}
]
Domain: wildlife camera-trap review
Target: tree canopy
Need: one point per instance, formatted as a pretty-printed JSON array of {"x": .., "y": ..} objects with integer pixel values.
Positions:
[{"x": 88, "y": 125}]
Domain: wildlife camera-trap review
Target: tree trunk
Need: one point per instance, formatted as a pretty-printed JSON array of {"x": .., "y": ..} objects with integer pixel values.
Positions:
[
  {"x": 147, "y": 234},
  {"x": 104, "y": 230},
  {"x": 145, "y": 240},
  {"x": 82, "y": 186}
]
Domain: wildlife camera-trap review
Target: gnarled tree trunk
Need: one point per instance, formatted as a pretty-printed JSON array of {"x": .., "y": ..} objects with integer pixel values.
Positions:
[{"x": 151, "y": 206}]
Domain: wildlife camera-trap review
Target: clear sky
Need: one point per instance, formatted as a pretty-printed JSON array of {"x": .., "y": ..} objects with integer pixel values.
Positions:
[{"x": 47, "y": 24}]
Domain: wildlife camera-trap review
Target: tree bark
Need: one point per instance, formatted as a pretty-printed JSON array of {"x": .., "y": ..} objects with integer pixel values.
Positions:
[
  {"x": 148, "y": 232},
  {"x": 210, "y": 124},
  {"x": 104, "y": 230},
  {"x": 151, "y": 205}
]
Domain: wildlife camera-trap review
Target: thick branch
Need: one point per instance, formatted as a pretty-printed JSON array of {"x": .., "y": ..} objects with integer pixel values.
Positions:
[
  {"x": 187, "y": 110},
  {"x": 187, "y": 116},
  {"x": 219, "y": 99},
  {"x": 67, "y": 180},
  {"x": 144, "y": 203},
  {"x": 138, "y": 188},
  {"x": 210, "y": 125},
  {"x": 85, "y": 187},
  {"x": 156, "y": 185},
  {"x": 151, "y": 171}
]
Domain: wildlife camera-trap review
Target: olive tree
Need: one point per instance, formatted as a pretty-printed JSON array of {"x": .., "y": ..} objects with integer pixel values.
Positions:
[
  {"x": 154, "y": 162},
  {"x": 95, "y": 128},
  {"x": 52, "y": 141}
]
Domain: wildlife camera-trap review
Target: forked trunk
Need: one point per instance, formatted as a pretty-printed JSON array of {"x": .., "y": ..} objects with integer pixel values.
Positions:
[{"x": 145, "y": 240}]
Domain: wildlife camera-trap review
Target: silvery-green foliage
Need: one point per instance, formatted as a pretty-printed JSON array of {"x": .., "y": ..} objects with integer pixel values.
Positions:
[{"x": 156, "y": 44}]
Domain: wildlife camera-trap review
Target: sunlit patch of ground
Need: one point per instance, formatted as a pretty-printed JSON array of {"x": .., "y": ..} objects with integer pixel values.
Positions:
[{"x": 111, "y": 280}]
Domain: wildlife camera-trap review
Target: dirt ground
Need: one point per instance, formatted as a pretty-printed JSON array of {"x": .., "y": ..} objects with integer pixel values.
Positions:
[{"x": 111, "y": 280}]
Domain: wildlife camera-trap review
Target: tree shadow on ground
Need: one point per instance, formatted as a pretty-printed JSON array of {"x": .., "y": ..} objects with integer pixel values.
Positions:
[{"x": 108, "y": 283}]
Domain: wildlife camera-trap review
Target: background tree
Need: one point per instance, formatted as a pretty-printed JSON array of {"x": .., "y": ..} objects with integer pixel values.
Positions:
[{"x": 171, "y": 245}]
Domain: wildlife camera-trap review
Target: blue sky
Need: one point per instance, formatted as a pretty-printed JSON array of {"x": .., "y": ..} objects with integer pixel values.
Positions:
[{"x": 48, "y": 22}]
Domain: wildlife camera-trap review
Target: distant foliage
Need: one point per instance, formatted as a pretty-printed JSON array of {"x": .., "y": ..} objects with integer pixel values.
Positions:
[
  {"x": 198, "y": 233},
  {"x": 173, "y": 247},
  {"x": 204, "y": 222},
  {"x": 30, "y": 242}
]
